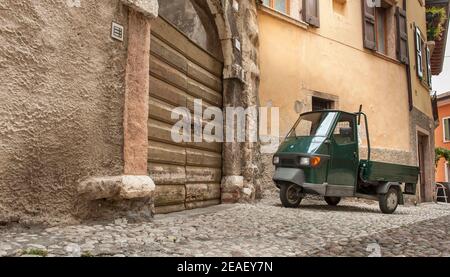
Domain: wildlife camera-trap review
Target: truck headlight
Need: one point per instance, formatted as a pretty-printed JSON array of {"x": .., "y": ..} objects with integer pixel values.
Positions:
[
  {"x": 310, "y": 161},
  {"x": 276, "y": 160},
  {"x": 305, "y": 161}
]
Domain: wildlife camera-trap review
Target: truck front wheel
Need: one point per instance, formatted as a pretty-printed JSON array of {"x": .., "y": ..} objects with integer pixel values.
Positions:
[
  {"x": 290, "y": 195},
  {"x": 332, "y": 201},
  {"x": 389, "y": 201}
]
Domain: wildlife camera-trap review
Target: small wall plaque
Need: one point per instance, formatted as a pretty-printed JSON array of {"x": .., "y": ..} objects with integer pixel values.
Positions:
[{"x": 117, "y": 31}]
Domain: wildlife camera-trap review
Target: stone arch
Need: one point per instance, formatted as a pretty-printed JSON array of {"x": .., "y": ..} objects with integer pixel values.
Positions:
[
  {"x": 237, "y": 26},
  {"x": 236, "y": 23},
  {"x": 231, "y": 22},
  {"x": 193, "y": 18}
]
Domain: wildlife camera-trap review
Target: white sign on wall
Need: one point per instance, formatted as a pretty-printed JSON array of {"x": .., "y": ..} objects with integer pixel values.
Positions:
[{"x": 73, "y": 3}]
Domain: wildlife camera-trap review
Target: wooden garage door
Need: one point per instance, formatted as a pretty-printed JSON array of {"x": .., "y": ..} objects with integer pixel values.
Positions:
[{"x": 187, "y": 175}]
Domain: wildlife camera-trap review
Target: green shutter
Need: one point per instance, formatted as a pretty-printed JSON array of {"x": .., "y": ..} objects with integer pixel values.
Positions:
[
  {"x": 419, "y": 56},
  {"x": 429, "y": 74},
  {"x": 447, "y": 129}
]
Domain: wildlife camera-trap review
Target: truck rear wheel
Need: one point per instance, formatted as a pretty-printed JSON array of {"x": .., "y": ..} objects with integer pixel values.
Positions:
[
  {"x": 290, "y": 195},
  {"x": 332, "y": 201},
  {"x": 389, "y": 201}
]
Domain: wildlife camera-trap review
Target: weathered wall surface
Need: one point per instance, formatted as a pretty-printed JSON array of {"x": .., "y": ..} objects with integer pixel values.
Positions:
[
  {"x": 300, "y": 62},
  {"x": 420, "y": 92},
  {"x": 61, "y": 105},
  {"x": 421, "y": 116},
  {"x": 444, "y": 112},
  {"x": 330, "y": 61},
  {"x": 423, "y": 125}
]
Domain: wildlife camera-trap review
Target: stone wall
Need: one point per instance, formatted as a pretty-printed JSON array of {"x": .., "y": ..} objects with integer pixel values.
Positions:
[
  {"x": 421, "y": 123},
  {"x": 61, "y": 114},
  {"x": 237, "y": 25}
]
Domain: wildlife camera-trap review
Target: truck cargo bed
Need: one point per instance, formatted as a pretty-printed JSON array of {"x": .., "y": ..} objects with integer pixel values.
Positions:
[{"x": 374, "y": 171}]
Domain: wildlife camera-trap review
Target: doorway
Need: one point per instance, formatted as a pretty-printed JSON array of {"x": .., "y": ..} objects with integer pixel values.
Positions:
[
  {"x": 186, "y": 65},
  {"x": 423, "y": 153}
]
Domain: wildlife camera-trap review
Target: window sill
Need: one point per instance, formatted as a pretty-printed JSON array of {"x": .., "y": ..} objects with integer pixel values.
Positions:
[
  {"x": 385, "y": 57},
  {"x": 283, "y": 16},
  {"x": 424, "y": 84}
]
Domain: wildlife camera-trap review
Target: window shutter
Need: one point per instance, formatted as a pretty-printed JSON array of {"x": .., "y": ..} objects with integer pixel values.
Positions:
[
  {"x": 446, "y": 130},
  {"x": 429, "y": 75},
  {"x": 369, "y": 33},
  {"x": 402, "y": 37},
  {"x": 419, "y": 60},
  {"x": 311, "y": 13}
]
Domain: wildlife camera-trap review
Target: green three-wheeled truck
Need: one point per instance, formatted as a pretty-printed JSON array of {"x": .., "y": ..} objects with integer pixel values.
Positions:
[{"x": 321, "y": 156}]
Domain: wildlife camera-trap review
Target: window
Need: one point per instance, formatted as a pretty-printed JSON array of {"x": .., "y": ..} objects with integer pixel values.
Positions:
[
  {"x": 315, "y": 124},
  {"x": 380, "y": 22},
  {"x": 380, "y": 28},
  {"x": 344, "y": 133},
  {"x": 423, "y": 58},
  {"x": 319, "y": 104},
  {"x": 446, "y": 127},
  {"x": 419, "y": 53},
  {"x": 278, "y": 5}
]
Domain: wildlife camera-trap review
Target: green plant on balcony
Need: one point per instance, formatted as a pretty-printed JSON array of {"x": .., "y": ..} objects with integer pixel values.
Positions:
[
  {"x": 442, "y": 153},
  {"x": 436, "y": 18}
]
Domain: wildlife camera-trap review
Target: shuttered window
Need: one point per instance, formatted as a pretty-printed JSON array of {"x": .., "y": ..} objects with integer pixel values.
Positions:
[
  {"x": 402, "y": 36},
  {"x": 369, "y": 28},
  {"x": 311, "y": 12},
  {"x": 419, "y": 55},
  {"x": 380, "y": 22},
  {"x": 446, "y": 126},
  {"x": 282, "y": 6},
  {"x": 429, "y": 75}
]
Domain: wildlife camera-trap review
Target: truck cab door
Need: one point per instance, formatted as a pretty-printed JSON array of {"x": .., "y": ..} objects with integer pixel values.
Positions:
[{"x": 344, "y": 152}]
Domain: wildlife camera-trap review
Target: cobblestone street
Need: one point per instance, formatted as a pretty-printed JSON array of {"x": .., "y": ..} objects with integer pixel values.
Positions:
[{"x": 265, "y": 229}]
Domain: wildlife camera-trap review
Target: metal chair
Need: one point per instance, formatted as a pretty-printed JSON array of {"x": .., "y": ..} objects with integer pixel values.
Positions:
[{"x": 440, "y": 187}]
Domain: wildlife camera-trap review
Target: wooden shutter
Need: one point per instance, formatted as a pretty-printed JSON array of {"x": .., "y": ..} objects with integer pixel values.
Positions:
[
  {"x": 419, "y": 56},
  {"x": 369, "y": 29},
  {"x": 311, "y": 13},
  {"x": 402, "y": 36},
  {"x": 429, "y": 75}
]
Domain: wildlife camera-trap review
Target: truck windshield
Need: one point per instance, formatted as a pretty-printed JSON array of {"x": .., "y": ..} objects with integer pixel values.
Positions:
[{"x": 316, "y": 124}]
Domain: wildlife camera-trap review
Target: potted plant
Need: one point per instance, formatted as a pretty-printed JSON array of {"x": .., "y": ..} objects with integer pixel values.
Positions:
[{"x": 436, "y": 18}]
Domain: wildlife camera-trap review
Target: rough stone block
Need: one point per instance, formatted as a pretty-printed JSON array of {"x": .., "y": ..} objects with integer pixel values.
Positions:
[
  {"x": 149, "y": 8},
  {"x": 136, "y": 187},
  {"x": 232, "y": 184},
  {"x": 117, "y": 187},
  {"x": 100, "y": 187}
]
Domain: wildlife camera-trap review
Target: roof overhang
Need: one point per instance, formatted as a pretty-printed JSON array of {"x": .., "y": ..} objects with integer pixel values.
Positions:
[
  {"x": 437, "y": 58},
  {"x": 443, "y": 99}
]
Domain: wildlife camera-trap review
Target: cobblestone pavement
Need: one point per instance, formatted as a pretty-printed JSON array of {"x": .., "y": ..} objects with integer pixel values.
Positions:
[{"x": 264, "y": 229}]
